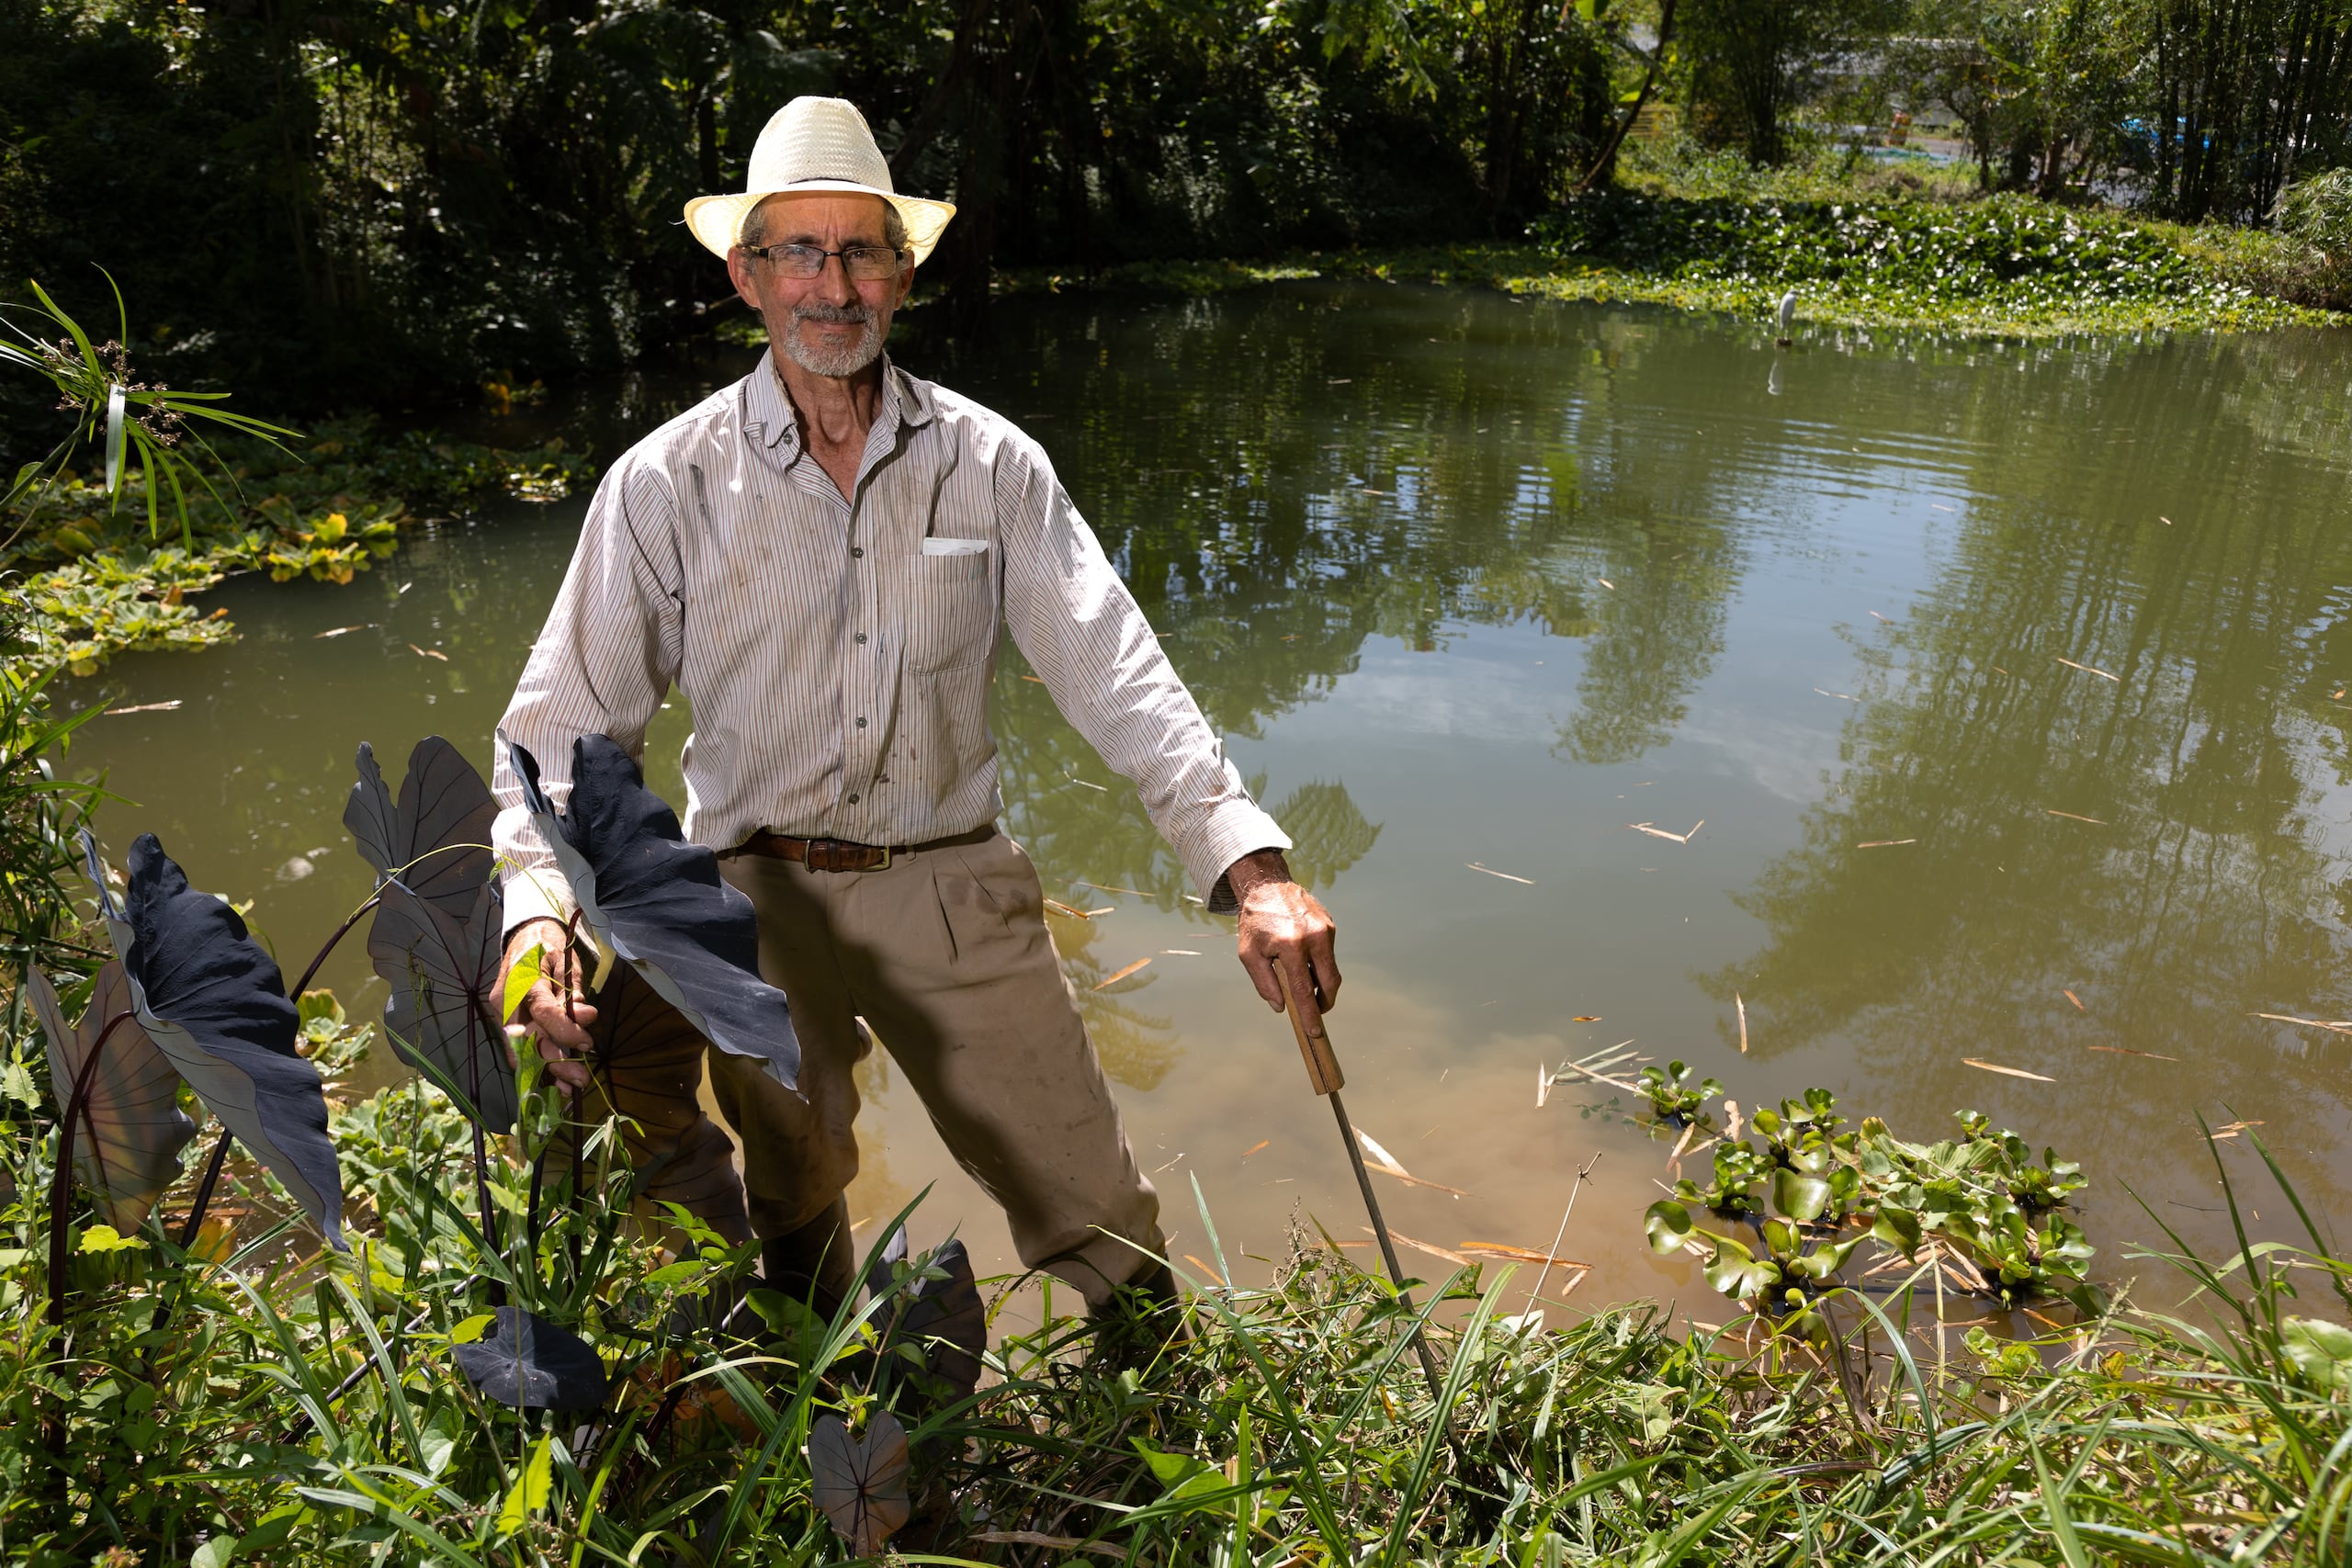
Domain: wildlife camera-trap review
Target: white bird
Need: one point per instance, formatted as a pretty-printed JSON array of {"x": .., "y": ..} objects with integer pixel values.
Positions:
[{"x": 1788, "y": 311}]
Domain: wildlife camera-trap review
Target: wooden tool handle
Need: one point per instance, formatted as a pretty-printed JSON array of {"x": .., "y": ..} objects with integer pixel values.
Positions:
[{"x": 1322, "y": 1064}]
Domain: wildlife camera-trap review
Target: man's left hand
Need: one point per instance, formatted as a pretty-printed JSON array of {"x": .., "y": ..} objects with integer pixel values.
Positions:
[{"x": 1284, "y": 927}]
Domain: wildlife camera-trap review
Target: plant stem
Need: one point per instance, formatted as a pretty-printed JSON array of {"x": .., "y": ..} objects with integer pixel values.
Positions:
[
  {"x": 204, "y": 1190},
  {"x": 339, "y": 933}
]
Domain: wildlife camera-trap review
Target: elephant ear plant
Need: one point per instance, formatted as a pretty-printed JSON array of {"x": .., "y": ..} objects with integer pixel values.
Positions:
[
  {"x": 123, "y": 1128},
  {"x": 437, "y": 942},
  {"x": 200, "y": 993},
  {"x": 649, "y": 899},
  {"x": 438, "y": 921}
]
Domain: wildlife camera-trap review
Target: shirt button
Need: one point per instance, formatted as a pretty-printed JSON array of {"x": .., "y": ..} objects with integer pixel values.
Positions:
[
  {"x": 861, "y": 723},
  {"x": 859, "y": 551},
  {"x": 861, "y": 636},
  {"x": 853, "y": 800}
]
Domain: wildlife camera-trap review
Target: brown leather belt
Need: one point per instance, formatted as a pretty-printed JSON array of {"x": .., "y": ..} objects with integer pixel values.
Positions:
[{"x": 840, "y": 855}]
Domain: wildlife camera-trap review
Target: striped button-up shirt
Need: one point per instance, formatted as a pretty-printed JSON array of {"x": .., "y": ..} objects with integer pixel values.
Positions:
[{"x": 838, "y": 653}]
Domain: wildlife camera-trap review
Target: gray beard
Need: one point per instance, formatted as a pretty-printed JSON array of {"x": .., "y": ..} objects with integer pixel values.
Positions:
[{"x": 838, "y": 363}]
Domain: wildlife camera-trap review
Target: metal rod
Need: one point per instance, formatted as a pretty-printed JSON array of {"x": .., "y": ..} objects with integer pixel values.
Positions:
[{"x": 1388, "y": 1250}]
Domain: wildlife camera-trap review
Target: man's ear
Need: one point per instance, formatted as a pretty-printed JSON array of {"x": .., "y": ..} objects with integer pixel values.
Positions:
[
  {"x": 906, "y": 286},
  {"x": 740, "y": 273}
]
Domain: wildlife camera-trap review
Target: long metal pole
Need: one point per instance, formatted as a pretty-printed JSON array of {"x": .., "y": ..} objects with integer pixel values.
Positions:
[
  {"x": 1388, "y": 1249},
  {"x": 1323, "y": 1073}
]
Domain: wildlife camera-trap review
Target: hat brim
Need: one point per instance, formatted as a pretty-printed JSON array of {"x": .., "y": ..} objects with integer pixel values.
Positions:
[{"x": 718, "y": 221}]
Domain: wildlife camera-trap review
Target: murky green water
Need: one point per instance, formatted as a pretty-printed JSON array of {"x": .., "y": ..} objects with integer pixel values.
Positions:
[{"x": 1475, "y": 584}]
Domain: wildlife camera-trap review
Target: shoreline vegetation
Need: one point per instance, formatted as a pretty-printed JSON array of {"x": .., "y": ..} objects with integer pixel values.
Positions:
[
  {"x": 244, "y": 1396},
  {"x": 1906, "y": 245}
]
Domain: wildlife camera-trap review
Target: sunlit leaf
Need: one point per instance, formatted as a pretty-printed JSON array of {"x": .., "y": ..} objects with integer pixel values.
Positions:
[
  {"x": 658, "y": 902},
  {"x": 529, "y": 1492},
  {"x": 215, "y": 1004},
  {"x": 1798, "y": 1196},
  {"x": 1739, "y": 1273},
  {"x": 130, "y": 1101},
  {"x": 105, "y": 1238},
  {"x": 1669, "y": 1224}
]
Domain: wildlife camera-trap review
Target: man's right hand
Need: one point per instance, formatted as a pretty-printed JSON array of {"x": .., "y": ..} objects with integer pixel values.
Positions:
[{"x": 550, "y": 1011}]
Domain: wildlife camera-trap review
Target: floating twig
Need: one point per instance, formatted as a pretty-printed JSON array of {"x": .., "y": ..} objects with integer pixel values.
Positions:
[
  {"x": 1507, "y": 876},
  {"x": 1122, "y": 974},
  {"x": 2340, "y": 1027},
  {"x": 2088, "y": 670},
  {"x": 1983, "y": 1065}
]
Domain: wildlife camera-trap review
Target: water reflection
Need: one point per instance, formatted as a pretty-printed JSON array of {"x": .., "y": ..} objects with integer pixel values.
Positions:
[
  {"x": 1464, "y": 581},
  {"x": 2089, "y": 807}
]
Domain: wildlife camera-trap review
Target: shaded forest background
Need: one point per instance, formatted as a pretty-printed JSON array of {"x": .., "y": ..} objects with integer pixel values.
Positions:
[{"x": 332, "y": 202}]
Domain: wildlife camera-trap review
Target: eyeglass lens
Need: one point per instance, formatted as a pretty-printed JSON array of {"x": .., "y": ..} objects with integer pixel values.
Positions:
[{"x": 866, "y": 264}]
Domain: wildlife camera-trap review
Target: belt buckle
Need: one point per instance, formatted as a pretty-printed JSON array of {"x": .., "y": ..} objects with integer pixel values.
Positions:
[{"x": 884, "y": 863}]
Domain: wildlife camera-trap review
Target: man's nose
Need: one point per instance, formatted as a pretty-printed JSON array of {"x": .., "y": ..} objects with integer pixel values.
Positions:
[{"x": 834, "y": 286}]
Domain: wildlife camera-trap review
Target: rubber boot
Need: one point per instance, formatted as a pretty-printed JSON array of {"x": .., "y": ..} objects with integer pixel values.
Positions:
[{"x": 815, "y": 1264}]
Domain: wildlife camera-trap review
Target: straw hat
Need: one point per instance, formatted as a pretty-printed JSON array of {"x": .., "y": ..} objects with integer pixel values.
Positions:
[{"x": 814, "y": 144}]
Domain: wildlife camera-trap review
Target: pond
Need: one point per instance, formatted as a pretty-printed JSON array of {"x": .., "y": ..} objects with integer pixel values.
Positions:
[{"x": 1981, "y": 703}]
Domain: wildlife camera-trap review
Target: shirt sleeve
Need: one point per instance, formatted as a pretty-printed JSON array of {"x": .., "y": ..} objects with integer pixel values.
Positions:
[
  {"x": 1083, "y": 632},
  {"x": 601, "y": 666}
]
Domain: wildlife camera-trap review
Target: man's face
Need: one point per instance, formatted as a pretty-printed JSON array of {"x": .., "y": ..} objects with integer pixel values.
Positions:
[{"x": 830, "y": 324}]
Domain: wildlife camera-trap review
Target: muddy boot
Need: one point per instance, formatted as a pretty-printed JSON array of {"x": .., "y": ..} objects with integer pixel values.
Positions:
[
  {"x": 815, "y": 1264},
  {"x": 1143, "y": 1319}
]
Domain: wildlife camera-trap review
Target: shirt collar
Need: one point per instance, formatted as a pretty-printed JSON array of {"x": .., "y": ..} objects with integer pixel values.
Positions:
[{"x": 767, "y": 408}]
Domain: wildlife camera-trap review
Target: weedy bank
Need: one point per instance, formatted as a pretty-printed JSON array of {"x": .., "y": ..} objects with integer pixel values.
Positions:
[
  {"x": 153, "y": 494},
  {"x": 1861, "y": 245}
]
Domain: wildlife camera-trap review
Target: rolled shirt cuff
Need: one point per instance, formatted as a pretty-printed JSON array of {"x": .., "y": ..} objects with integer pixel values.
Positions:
[
  {"x": 1235, "y": 829},
  {"x": 536, "y": 892}
]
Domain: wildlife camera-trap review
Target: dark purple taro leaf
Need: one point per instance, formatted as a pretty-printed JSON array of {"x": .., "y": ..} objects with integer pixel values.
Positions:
[
  {"x": 528, "y": 1363},
  {"x": 437, "y": 936},
  {"x": 442, "y": 970},
  {"x": 860, "y": 1483},
  {"x": 131, "y": 1103},
  {"x": 657, "y": 901},
  {"x": 436, "y": 839},
  {"x": 215, "y": 1004}
]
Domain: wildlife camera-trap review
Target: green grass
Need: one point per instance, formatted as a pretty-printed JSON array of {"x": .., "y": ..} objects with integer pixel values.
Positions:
[{"x": 268, "y": 1404}]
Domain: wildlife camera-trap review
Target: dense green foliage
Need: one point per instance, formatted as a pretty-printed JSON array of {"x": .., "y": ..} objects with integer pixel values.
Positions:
[{"x": 341, "y": 203}]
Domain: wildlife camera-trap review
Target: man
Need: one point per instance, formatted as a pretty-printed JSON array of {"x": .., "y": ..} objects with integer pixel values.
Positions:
[{"x": 820, "y": 558}]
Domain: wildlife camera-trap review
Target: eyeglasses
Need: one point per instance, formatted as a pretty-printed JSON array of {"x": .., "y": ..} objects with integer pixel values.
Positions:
[{"x": 864, "y": 263}]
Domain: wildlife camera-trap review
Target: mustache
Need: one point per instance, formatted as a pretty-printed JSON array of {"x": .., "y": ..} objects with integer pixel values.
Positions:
[{"x": 836, "y": 315}]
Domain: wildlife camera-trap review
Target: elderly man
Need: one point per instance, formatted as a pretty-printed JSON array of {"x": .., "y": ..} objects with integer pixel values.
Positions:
[{"x": 820, "y": 557}]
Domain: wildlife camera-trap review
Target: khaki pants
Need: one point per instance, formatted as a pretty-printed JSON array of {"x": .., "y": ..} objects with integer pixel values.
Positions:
[{"x": 944, "y": 954}]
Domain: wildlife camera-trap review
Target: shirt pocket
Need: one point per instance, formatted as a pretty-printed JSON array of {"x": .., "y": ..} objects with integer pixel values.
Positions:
[{"x": 947, "y": 610}]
